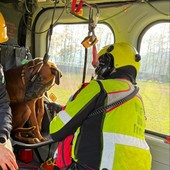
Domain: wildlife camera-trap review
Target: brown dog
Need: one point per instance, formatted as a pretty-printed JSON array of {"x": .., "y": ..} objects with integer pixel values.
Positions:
[{"x": 26, "y": 86}]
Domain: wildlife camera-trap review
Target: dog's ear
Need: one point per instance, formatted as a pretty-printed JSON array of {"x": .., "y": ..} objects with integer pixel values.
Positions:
[{"x": 57, "y": 74}]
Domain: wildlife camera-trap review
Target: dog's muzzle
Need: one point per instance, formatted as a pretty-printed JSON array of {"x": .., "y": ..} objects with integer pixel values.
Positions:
[{"x": 36, "y": 88}]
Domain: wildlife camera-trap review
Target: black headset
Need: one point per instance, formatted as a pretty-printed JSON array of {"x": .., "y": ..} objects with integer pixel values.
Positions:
[
  {"x": 106, "y": 63},
  {"x": 105, "y": 66}
]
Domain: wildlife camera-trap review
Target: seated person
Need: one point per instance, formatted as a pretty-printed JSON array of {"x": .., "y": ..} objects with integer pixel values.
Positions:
[
  {"x": 7, "y": 157},
  {"x": 113, "y": 139}
]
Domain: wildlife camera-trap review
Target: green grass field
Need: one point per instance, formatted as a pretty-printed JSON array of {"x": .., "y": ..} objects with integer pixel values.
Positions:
[
  {"x": 157, "y": 105},
  {"x": 155, "y": 96}
]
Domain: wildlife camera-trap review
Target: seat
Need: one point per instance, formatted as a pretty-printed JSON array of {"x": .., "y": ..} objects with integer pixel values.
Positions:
[{"x": 21, "y": 145}]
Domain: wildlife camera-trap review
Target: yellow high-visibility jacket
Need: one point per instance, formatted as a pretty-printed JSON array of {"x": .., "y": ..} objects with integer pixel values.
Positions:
[{"x": 113, "y": 140}]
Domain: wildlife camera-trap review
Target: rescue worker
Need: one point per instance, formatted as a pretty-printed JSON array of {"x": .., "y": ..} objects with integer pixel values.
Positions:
[
  {"x": 113, "y": 139},
  {"x": 7, "y": 157}
]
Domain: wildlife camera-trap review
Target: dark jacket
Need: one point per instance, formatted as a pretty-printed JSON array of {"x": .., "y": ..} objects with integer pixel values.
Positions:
[{"x": 5, "y": 111}]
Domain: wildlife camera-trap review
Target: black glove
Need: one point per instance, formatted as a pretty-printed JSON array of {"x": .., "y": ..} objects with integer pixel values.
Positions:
[{"x": 54, "y": 108}]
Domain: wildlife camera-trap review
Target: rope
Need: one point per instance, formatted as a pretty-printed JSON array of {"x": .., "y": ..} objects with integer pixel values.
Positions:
[{"x": 85, "y": 66}]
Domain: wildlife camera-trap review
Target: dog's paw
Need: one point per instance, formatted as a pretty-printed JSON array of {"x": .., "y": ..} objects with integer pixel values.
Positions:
[{"x": 43, "y": 139}]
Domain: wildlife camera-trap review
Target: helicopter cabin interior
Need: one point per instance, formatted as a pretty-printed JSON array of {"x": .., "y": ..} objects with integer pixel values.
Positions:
[{"x": 58, "y": 30}]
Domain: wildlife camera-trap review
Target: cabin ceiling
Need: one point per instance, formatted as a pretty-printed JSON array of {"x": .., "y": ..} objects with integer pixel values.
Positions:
[
  {"x": 88, "y": 1},
  {"x": 62, "y": 2}
]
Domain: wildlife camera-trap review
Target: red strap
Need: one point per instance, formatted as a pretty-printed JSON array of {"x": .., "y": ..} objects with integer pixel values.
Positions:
[
  {"x": 74, "y": 9},
  {"x": 95, "y": 60}
]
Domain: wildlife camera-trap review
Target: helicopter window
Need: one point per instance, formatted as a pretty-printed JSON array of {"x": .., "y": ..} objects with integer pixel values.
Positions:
[
  {"x": 68, "y": 53},
  {"x": 154, "y": 77}
]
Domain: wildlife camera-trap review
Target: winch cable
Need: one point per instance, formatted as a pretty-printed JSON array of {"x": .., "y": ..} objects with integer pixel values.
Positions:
[
  {"x": 91, "y": 39},
  {"x": 86, "y": 46},
  {"x": 46, "y": 56},
  {"x": 85, "y": 66}
]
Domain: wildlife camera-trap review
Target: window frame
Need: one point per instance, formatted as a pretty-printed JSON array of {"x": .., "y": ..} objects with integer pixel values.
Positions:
[{"x": 143, "y": 32}]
